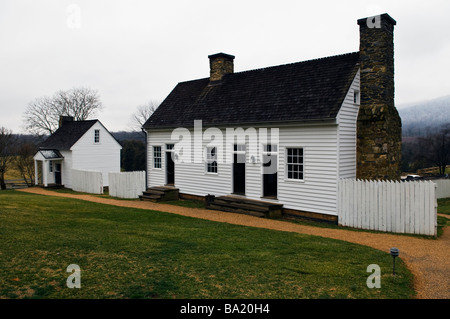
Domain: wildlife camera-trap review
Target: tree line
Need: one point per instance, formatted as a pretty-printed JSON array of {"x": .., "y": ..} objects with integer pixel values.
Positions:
[
  {"x": 429, "y": 150},
  {"x": 16, "y": 152}
]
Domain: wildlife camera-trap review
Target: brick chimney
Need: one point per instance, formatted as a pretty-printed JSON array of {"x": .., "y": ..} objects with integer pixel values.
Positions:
[
  {"x": 63, "y": 119},
  {"x": 220, "y": 64},
  {"x": 379, "y": 131}
]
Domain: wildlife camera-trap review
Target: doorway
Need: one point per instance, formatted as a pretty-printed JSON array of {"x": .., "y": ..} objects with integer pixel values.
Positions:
[
  {"x": 58, "y": 180},
  {"x": 270, "y": 176},
  {"x": 239, "y": 170},
  {"x": 170, "y": 165},
  {"x": 270, "y": 171}
]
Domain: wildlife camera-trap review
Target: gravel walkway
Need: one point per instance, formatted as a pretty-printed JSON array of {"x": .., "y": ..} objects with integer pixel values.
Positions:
[{"x": 427, "y": 259}]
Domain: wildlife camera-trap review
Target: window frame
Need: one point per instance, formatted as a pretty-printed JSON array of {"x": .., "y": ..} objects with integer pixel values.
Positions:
[
  {"x": 155, "y": 157},
  {"x": 96, "y": 136},
  {"x": 300, "y": 164},
  {"x": 356, "y": 97},
  {"x": 211, "y": 166}
]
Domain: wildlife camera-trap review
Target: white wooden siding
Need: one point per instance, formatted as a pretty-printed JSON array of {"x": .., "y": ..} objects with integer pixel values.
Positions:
[
  {"x": 190, "y": 178},
  {"x": 347, "y": 118},
  {"x": 316, "y": 193},
  {"x": 66, "y": 169},
  {"x": 156, "y": 176},
  {"x": 103, "y": 156}
]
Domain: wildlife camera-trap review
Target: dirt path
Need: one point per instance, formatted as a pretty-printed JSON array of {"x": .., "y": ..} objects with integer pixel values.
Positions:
[{"x": 427, "y": 259}]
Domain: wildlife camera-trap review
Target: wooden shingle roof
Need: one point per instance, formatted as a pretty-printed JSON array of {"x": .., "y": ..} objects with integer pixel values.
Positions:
[
  {"x": 67, "y": 135},
  {"x": 297, "y": 92}
]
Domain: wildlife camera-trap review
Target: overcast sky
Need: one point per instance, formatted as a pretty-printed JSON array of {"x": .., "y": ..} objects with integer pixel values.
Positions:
[{"x": 135, "y": 51}]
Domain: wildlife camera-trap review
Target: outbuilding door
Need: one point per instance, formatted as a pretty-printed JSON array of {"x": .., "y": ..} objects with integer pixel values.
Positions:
[{"x": 58, "y": 180}]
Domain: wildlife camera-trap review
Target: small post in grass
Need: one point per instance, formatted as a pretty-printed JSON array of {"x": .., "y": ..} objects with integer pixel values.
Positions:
[{"x": 394, "y": 253}]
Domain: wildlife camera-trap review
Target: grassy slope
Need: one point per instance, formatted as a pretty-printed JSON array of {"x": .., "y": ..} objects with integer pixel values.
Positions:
[
  {"x": 444, "y": 206},
  {"x": 131, "y": 253}
]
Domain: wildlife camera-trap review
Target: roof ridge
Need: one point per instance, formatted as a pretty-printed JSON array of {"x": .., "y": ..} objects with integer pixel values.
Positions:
[
  {"x": 93, "y": 120},
  {"x": 300, "y": 62},
  {"x": 281, "y": 65}
]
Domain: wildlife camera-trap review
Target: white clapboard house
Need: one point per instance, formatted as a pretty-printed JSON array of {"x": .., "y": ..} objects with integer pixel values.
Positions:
[
  {"x": 223, "y": 135},
  {"x": 81, "y": 145}
]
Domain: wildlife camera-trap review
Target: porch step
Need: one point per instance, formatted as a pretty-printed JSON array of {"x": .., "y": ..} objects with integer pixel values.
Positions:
[
  {"x": 246, "y": 206},
  {"x": 160, "y": 193},
  {"x": 55, "y": 186}
]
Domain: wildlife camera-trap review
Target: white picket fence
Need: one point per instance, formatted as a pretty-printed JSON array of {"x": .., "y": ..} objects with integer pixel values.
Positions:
[
  {"x": 443, "y": 187},
  {"x": 87, "y": 181},
  {"x": 400, "y": 207},
  {"x": 126, "y": 184}
]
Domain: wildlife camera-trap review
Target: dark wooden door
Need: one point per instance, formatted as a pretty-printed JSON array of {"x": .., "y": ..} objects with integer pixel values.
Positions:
[
  {"x": 58, "y": 180},
  {"x": 270, "y": 176},
  {"x": 239, "y": 174},
  {"x": 170, "y": 169}
]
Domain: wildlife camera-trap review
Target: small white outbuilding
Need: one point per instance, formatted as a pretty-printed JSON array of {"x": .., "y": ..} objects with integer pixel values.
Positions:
[{"x": 80, "y": 145}]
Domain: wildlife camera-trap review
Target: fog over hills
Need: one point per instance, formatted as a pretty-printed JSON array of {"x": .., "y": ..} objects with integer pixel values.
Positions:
[{"x": 418, "y": 118}]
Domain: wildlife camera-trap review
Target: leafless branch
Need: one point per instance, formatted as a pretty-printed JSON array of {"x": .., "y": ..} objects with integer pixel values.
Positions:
[
  {"x": 142, "y": 114},
  {"x": 25, "y": 163},
  {"x": 42, "y": 115}
]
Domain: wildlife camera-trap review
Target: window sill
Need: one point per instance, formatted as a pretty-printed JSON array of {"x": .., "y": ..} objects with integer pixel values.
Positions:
[
  {"x": 294, "y": 180},
  {"x": 269, "y": 197}
]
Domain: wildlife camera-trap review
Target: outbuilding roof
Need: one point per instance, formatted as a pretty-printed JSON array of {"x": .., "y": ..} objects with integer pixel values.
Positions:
[
  {"x": 51, "y": 154},
  {"x": 67, "y": 135}
]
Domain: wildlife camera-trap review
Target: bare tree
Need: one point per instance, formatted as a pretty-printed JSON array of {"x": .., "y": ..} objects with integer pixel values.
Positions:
[
  {"x": 6, "y": 153},
  {"x": 79, "y": 103},
  {"x": 24, "y": 161},
  {"x": 42, "y": 115},
  {"x": 142, "y": 114},
  {"x": 435, "y": 148}
]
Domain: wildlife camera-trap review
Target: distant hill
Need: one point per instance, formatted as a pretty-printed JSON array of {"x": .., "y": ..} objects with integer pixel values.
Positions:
[{"x": 421, "y": 117}]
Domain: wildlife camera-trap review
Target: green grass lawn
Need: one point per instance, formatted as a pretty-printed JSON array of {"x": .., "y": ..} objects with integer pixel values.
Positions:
[
  {"x": 444, "y": 206},
  {"x": 132, "y": 253}
]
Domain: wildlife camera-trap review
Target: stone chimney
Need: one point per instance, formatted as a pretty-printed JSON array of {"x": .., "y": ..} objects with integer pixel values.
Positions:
[
  {"x": 220, "y": 64},
  {"x": 63, "y": 119},
  {"x": 379, "y": 132}
]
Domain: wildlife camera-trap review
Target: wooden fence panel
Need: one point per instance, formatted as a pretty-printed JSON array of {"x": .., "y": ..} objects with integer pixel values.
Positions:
[
  {"x": 126, "y": 184},
  {"x": 390, "y": 206},
  {"x": 87, "y": 181},
  {"x": 443, "y": 188}
]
